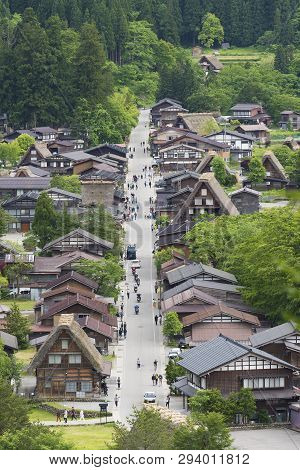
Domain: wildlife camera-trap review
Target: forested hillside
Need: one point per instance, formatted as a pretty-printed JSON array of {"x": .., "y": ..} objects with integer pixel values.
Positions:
[
  {"x": 176, "y": 21},
  {"x": 90, "y": 63}
]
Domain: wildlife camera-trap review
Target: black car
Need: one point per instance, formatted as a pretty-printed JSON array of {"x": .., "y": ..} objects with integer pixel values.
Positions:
[{"x": 131, "y": 252}]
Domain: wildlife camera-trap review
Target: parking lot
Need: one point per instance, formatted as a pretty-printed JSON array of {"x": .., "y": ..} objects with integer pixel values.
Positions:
[{"x": 266, "y": 439}]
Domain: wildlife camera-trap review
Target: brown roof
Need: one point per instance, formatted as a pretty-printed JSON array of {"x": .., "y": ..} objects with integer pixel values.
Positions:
[
  {"x": 67, "y": 290},
  {"x": 216, "y": 189},
  {"x": 67, "y": 323},
  {"x": 73, "y": 275},
  {"x": 207, "y": 311},
  {"x": 92, "y": 304},
  {"x": 207, "y": 331},
  {"x": 97, "y": 326},
  {"x": 40, "y": 328},
  {"x": 186, "y": 296},
  {"x": 213, "y": 60},
  {"x": 82, "y": 233},
  {"x": 53, "y": 264}
]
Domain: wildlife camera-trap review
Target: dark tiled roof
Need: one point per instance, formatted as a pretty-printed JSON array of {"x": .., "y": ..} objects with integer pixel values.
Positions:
[
  {"x": 247, "y": 106},
  {"x": 198, "y": 138},
  {"x": 9, "y": 340},
  {"x": 102, "y": 175},
  {"x": 36, "y": 170},
  {"x": 198, "y": 284},
  {"x": 273, "y": 334},
  {"x": 64, "y": 193},
  {"x": 220, "y": 351},
  {"x": 97, "y": 326},
  {"x": 30, "y": 184},
  {"x": 82, "y": 233},
  {"x": 70, "y": 301},
  {"x": 29, "y": 195}
]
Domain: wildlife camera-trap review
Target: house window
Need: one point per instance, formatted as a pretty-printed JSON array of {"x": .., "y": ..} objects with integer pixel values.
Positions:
[
  {"x": 75, "y": 359},
  {"x": 191, "y": 211},
  {"x": 71, "y": 386},
  {"x": 86, "y": 386},
  {"x": 264, "y": 382},
  {"x": 268, "y": 173},
  {"x": 209, "y": 202},
  {"x": 198, "y": 201},
  {"x": 33, "y": 159},
  {"x": 43, "y": 164},
  {"x": 54, "y": 359},
  {"x": 203, "y": 192},
  {"x": 64, "y": 344}
]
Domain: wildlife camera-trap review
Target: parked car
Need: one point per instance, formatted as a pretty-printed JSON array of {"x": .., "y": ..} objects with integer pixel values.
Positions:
[
  {"x": 174, "y": 353},
  {"x": 136, "y": 264},
  {"x": 131, "y": 252},
  {"x": 149, "y": 397}
]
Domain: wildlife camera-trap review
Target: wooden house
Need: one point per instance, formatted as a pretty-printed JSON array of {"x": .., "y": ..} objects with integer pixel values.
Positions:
[
  {"x": 200, "y": 143},
  {"x": 63, "y": 146},
  {"x": 207, "y": 197},
  {"x": 22, "y": 210},
  {"x": 45, "y": 134},
  {"x": 40, "y": 156},
  {"x": 162, "y": 104},
  {"x": 289, "y": 120},
  {"x": 114, "y": 150},
  {"x": 275, "y": 178},
  {"x": 210, "y": 63},
  {"x": 168, "y": 116},
  {"x": 68, "y": 365},
  {"x": 239, "y": 144},
  {"x": 79, "y": 305},
  {"x": 282, "y": 341},
  {"x": 29, "y": 171},
  {"x": 191, "y": 270},
  {"x": 211, "y": 320},
  {"x": 179, "y": 157},
  {"x": 64, "y": 199},
  {"x": 228, "y": 366},
  {"x": 76, "y": 240},
  {"x": 102, "y": 333},
  {"x": 259, "y": 132},
  {"x": 173, "y": 235},
  {"x": 246, "y": 200},
  {"x": 178, "y": 259},
  {"x": 250, "y": 113},
  {"x": 164, "y": 136},
  {"x": 91, "y": 164}
]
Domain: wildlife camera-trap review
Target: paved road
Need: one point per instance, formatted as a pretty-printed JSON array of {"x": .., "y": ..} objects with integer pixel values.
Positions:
[
  {"x": 144, "y": 338},
  {"x": 266, "y": 439}
]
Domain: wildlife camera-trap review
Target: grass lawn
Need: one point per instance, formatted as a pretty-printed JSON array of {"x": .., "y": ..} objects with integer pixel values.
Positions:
[
  {"x": 88, "y": 437},
  {"x": 241, "y": 55},
  {"x": 22, "y": 304},
  {"x": 41, "y": 415},
  {"x": 25, "y": 355}
]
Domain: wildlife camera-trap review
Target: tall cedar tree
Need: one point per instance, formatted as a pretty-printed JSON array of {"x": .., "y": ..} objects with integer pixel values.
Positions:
[
  {"x": 93, "y": 82},
  {"x": 45, "y": 222},
  {"x": 18, "y": 325}
]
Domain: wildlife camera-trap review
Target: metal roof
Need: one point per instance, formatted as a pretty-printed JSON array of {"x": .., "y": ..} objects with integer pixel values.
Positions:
[
  {"x": 198, "y": 284},
  {"x": 220, "y": 351},
  {"x": 24, "y": 183},
  {"x": 182, "y": 273},
  {"x": 273, "y": 334},
  {"x": 9, "y": 340},
  {"x": 64, "y": 193}
]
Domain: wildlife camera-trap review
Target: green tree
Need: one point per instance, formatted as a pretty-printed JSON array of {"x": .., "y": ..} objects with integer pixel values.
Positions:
[
  {"x": 145, "y": 430},
  {"x": 10, "y": 153},
  {"x": 173, "y": 370},
  {"x": 67, "y": 183},
  {"x": 162, "y": 256},
  {"x": 242, "y": 403},
  {"x": 10, "y": 368},
  {"x": 107, "y": 272},
  {"x": 163, "y": 221},
  {"x": 45, "y": 222},
  {"x": 93, "y": 81},
  {"x": 207, "y": 401},
  {"x": 257, "y": 172},
  {"x": 172, "y": 325},
  {"x": 13, "y": 411},
  {"x": 203, "y": 432},
  {"x": 16, "y": 272},
  {"x": 5, "y": 218},
  {"x": 33, "y": 437},
  {"x": 212, "y": 31},
  {"x": 219, "y": 169},
  {"x": 18, "y": 325},
  {"x": 25, "y": 141}
]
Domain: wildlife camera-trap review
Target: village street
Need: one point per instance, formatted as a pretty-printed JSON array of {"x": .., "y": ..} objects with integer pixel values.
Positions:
[{"x": 144, "y": 338}]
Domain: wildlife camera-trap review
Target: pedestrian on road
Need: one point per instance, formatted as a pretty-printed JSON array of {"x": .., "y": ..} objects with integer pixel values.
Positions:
[
  {"x": 138, "y": 363},
  {"x": 119, "y": 383},
  {"x": 145, "y": 184},
  {"x": 156, "y": 319},
  {"x": 128, "y": 294},
  {"x": 65, "y": 416},
  {"x": 122, "y": 296},
  {"x": 160, "y": 378},
  {"x": 134, "y": 149},
  {"x": 116, "y": 399},
  {"x": 168, "y": 401},
  {"x": 144, "y": 150},
  {"x": 149, "y": 184},
  {"x": 121, "y": 316},
  {"x": 156, "y": 379},
  {"x": 155, "y": 364},
  {"x": 128, "y": 185},
  {"x": 73, "y": 414},
  {"x": 122, "y": 306},
  {"x": 81, "y": 415},
  {"x": 160, "y": 318},
  {"x": 58, "y": 416},
  {"x": 152, "y": 228},
  {"x": 138, "y": 281},
  {"x": 153, "y": 379},
  {"x": 120, "y": 331}
]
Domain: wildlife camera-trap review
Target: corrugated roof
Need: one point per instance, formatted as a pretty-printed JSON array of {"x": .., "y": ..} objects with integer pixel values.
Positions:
[
  {"x": 184, "y": 297},
  {"x": 220, "y": 351},
  {"x": 207, "y": 311},
  {"x": 273, "y": 334},
  {"x": 193, "y": 270},
  {"x": 9, "y": 340},
  {"x": 64, "y": 193},
  {"x": 73, "y": 275},
  {"x": 198, "y": 284}
]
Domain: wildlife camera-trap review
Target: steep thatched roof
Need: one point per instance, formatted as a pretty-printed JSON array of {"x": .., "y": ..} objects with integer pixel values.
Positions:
[
  {"x": 202, "y": 123},
  {"x": 269, "y": 155},
  {"x": 68, "y": 324}
]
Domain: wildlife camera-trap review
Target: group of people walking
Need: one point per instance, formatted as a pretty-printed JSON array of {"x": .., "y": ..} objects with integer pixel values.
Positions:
[{"x": 66, "y": 413}]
